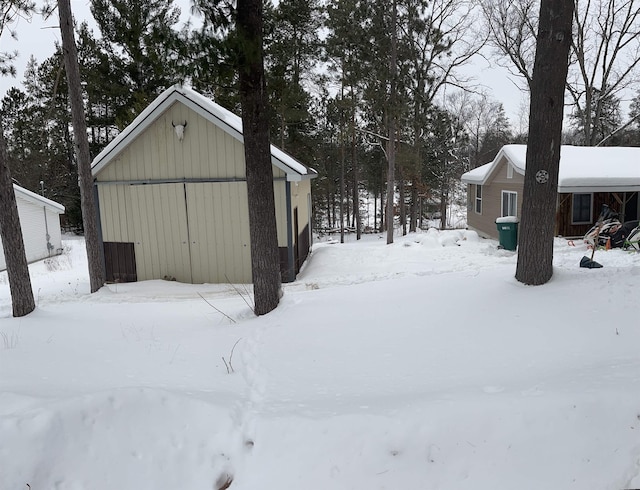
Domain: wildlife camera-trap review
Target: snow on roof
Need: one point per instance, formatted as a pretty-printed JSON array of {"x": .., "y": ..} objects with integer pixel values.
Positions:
[
  {"x": 211, "y": 111},
  {"x": 27, "y": 195},
  {"x": 582, "y": 168}
]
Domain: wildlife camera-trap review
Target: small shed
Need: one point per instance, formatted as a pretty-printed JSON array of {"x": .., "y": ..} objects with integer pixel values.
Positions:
[
  {"x": 588, "y": 178},
  {"x": 40, "y": 222},
  {"x": 172, "y": 196}
]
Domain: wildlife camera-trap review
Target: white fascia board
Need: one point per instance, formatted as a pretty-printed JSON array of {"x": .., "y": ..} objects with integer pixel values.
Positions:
[
  {"x": 585, "y": 189},
  {"x": 37, "y": 199},
  {"x": 218, "y": 115}
]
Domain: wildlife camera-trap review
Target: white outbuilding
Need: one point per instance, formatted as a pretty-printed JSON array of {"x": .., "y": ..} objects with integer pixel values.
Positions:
[{"x": 40, "y": 222}]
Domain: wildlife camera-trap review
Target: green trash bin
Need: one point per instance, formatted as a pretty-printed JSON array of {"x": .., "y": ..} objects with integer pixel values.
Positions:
[{"x": 508, "y": 232}]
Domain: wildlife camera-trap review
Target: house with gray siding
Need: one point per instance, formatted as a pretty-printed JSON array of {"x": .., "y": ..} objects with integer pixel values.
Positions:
[{"x": 588, "y": 178}]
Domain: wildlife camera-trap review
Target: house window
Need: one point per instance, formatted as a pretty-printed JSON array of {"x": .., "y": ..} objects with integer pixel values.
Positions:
[
  {"x": 509, "y": 203},
  {"x": 478, "y": 199},
  {"x": 581, "y": 210},
  {"x": 509, "y": 171}
]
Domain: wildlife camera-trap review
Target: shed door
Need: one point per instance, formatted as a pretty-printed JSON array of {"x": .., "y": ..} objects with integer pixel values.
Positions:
[
  {"x": 218, "y": 216},
  {"x": 161, "y": 233}
]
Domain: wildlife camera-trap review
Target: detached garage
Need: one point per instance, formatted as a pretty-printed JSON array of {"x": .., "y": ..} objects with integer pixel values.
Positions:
[
  {"x": 172, "y": 196},
  {"x": 40, "y": 222}
]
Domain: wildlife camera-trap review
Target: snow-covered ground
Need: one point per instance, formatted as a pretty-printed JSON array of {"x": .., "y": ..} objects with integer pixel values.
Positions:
[{"x": 418, "y": 365}]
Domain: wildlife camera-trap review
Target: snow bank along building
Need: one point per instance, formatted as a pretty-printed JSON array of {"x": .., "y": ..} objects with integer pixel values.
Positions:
[
  {"x": 40, "y": 222},
  {"x": 172, "y": 196},
  {"x": 588, "y": 178}
]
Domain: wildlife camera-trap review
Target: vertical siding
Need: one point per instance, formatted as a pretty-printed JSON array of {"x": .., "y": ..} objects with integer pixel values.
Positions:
[
  {"x": 193, "y": 231},
  {"x": 161, "y": 237},
  {"x": 116, "y": 213},
  {"x": 300, "y": 192},
  {"x": 206, "y": 151},
  {"x": 34, "y": 231},
  {"x": 280, "y": 195},
  {"x": 55, "y": 234},
  {"x": 218, "y": 218}
]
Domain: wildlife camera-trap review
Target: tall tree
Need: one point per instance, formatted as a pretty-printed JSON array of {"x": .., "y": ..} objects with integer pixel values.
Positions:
[
  {"x": 445, "y": 157},
  {"x": 255, "y": 122},
  {"x": 292, "y": 51},
  {"x": 39, "y": 137},
  {"x": 81, "y": 142},
  {"x": 603, "y": 60},
  {"x": 392, "y": 115},
  {"x": 603, "y": 116},
  {"x": 535, "y": 254},
  {"x": 605, "y": 55},
  {"x": 142, "y": 50},
  {"x": 512, "y": 26},
  {"x": 12, "y": 241},
  {"x": 22, "y": 299}
]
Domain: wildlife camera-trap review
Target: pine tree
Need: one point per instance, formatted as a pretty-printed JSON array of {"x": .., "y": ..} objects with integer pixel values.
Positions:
[
  {"x": 81, "y": 141},
  {"x": 535, "y": 254},
  {"x": 255, "y": 122},
  {"x": 22, "y": 298},
  {"x": 142, "y": 49},
  {"x": 292, "y": 51}
]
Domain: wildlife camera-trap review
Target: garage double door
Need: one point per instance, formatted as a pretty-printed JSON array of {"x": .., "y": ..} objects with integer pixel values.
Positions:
[{"x": 192, "y": 232}]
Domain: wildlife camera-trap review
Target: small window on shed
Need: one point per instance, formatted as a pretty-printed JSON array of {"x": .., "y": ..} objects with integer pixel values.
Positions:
[
  {"x": 478, "y": 199},
  {"x": 581, "y": 209}
]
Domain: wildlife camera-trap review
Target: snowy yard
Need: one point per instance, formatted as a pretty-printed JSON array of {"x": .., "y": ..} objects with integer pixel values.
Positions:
[{"x": 419, "y": 365}]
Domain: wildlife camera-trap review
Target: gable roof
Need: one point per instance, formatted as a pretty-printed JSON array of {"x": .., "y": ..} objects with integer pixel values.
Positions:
[
  {"x": 582, "y": 168},
  {"x": 37, "y": 199},
  {"x": 212, "y": 112}
]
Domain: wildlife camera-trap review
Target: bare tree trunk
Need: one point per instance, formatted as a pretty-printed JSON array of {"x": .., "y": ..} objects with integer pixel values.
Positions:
[
  {"x": 329, "y": 216},
  {"x": 444, "y": 198},
  {"x": 535, "y": 255},
  {"x": 403, "y": 209},
  {"x": 265, "y": 261},
  {"x": 391, "y": 110},
  {"x": 11, "y": 232},
  {"x": 375, "y": 211},
  {"x": 342, "y": 190},
  {"x": 383, "y": 214},
  {"x": 413, "y": 212},
  {"x": 347, "y": 194},
  {"x": 356, "y": 194},
  {"x": 81, "y": 143}
]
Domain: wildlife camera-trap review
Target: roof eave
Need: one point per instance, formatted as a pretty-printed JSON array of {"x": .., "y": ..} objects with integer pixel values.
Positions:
[
  {"x": 34, "y": 198},
  {"x": 152, "y": 112},
  {"x": 585, "y": 189}
]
